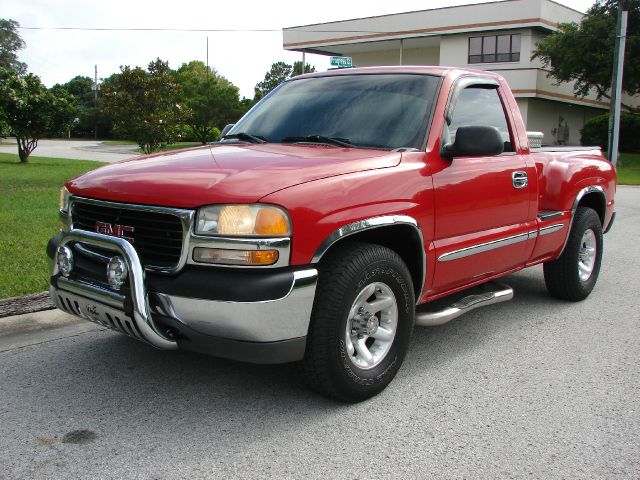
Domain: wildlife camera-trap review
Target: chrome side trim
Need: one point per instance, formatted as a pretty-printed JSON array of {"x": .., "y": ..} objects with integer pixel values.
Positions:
[
  {"x": 282, "y": 245},
  {"x": 265, "y": 321},
  {"x": 361, "y": 225},
  {"x": 141, "y": 312},
  {"x": 551, "y": 229},
  {"x": 581, "y": 194},
  {"x": 368, "y": 224},
  {"x": 484, "y": 247},
  {"x": 549, "y": 215},
  {"x": 185, "y": 216}
]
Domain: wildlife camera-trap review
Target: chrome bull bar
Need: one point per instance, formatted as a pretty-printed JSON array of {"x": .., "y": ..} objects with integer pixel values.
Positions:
[{"x": 144, "y": 323}]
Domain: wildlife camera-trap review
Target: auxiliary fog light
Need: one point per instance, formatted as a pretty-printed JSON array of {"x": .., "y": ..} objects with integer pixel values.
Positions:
[
  {"x": 235, "y": 257},
  {"x": 116, "y": 272},
  {"x": 64, "y": 259}
]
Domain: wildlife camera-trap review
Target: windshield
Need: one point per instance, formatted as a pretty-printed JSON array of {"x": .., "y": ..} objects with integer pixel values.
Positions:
[{"x": 378, "y": 111}]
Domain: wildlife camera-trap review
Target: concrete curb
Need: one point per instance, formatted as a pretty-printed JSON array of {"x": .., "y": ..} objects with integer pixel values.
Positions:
[{"x": 26, "y": 304}]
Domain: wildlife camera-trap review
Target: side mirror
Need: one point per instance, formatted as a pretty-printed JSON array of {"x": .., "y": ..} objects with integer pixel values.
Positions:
[
  {"x": 226, "y": 129},
  {"x": 474, "y": 141}
]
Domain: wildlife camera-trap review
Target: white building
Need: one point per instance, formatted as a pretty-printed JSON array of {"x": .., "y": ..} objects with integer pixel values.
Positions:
[{"x": 498, "y": 36}]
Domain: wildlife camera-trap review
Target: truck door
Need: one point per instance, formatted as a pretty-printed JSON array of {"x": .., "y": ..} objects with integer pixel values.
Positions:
[{"x": 481, "y": 203}]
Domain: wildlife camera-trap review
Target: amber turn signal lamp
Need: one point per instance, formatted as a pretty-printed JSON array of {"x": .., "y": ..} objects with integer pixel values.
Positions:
[
  {"x": 270, "y": 221},
  {"x": 220, "y": 256}
]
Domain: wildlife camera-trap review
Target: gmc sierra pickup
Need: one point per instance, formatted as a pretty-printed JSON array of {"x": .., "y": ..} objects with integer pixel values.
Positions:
[{"x": 332, "y": 218}]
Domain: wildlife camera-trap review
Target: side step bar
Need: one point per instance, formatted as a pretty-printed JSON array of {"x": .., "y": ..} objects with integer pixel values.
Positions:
[{"x": 498, "y": 293}]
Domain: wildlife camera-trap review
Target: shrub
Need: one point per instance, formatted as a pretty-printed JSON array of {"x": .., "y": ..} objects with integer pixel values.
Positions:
[
  {"x": 187, "y": 134},
  {"x": 595, "y": 132}
]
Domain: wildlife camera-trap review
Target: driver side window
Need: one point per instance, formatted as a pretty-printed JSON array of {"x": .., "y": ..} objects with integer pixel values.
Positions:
[{"x": 479, "y": 106}]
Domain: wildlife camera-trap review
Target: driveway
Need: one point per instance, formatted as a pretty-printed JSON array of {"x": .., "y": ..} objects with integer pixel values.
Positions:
[
  {"x": 77, "y": 150},
  {"x": 532, "y": 388}
]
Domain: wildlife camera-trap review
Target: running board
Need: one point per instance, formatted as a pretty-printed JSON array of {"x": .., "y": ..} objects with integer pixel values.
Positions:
[{"x": 498, "y": 293}]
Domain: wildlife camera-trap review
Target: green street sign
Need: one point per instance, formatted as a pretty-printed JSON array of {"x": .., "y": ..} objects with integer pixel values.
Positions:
[{"x": 341, "y": 62}]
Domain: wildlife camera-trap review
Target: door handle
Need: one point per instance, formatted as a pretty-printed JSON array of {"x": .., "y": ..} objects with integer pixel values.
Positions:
[{"x": 520, "y": 179}]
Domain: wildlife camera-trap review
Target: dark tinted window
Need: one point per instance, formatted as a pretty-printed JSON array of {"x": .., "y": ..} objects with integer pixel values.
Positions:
[
  {"x": 480, "y": 106},
  {"x": 385, "y": 111},
  {"x": 494, "y": 48}
]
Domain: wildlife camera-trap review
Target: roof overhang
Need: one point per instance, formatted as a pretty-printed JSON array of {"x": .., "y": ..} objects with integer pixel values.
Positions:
[{"x": 333, "y": 37}]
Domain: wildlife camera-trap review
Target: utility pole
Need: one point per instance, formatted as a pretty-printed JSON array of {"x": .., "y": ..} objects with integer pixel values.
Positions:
[
  {"x": 616, "y": 82},
  {"x": 207, "y": 57},
  {"x": 95, "y": 102}
]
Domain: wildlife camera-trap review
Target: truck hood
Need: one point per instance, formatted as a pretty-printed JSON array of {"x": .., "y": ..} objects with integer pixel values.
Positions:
[{"x": 223, "y": 173}]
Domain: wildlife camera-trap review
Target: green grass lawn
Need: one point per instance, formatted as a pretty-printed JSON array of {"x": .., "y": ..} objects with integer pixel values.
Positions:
[
  {"x": 29, "y": 217},
  {"x": 629, "y": 171}
]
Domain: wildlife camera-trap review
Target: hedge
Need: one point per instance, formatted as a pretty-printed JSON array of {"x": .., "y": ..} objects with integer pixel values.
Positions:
[{"x": 595, "y": 132}]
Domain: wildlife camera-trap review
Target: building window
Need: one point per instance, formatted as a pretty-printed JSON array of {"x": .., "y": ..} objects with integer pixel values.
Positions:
[{"x": 494, "y": 48}]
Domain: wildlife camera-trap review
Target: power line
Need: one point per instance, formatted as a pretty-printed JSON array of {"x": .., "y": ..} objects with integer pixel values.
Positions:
[
  {"x": 155, "y": 29},
  {"x": 248, "y": 30}
]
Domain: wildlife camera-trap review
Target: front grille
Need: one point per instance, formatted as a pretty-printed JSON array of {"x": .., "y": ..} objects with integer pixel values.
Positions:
[{"x": 157, "y": 237}]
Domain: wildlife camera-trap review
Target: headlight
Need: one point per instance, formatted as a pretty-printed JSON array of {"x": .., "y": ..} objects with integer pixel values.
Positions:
[
  {"x": 64, "y": 199},
  {"x": 242, "y": 220}
]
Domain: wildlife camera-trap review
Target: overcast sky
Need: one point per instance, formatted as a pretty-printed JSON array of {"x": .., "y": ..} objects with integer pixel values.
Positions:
[{"x": 243, "y": 57}]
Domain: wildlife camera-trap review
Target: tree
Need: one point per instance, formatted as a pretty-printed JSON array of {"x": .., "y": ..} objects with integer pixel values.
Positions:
[
  {"x": 32, "y": 111},
  {"x": 81, "y": 88},
  {"x": 297, "y": 69},
  {"x": 10, "y": 43},
  {"x": 212, "y": 100},
  {"x": 584, "y": 53},
  {"x": 144, "y": 105},
  {"x": 278, "y": 73}
]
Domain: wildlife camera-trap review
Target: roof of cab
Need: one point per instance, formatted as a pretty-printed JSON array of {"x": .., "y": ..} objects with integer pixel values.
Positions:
[{"x": 419, "y": 69}]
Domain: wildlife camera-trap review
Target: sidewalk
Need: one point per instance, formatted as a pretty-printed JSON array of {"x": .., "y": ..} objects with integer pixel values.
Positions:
[{"x": 34, "y": 328}]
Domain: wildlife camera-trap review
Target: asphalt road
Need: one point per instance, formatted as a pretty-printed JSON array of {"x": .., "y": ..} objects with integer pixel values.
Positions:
[{"x": 534, "y": 388}]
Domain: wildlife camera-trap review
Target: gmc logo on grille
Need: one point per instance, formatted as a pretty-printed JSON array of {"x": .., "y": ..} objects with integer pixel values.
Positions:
[{"x": 114, "y": 230}]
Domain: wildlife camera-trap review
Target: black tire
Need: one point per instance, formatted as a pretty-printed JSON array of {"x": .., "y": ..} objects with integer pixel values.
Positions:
[
  {"x": 562, "y": 276},
  {"x": 344, "y": 275}
]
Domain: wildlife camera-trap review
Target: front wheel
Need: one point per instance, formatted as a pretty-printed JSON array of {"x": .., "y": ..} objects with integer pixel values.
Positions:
[
  {"x": 574, "y": 273},
  {"x": 361, "y": 323}
]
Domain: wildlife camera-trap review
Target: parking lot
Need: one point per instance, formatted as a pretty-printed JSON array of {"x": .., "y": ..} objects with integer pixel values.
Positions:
[{"x": 535, "y": 388}]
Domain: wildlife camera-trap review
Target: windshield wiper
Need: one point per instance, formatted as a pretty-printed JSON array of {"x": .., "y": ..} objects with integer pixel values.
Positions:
[
  {"x": 246, "y": 137},
  {"x": 341, "y": 142}
]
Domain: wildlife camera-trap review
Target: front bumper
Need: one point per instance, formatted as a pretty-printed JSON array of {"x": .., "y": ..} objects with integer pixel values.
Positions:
[{"x": 269, "y": 329}]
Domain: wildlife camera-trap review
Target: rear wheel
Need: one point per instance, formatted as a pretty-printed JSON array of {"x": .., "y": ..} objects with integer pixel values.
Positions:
[
  {"x": 361, "y": 323},
  {"x": 573, "y": 275}
]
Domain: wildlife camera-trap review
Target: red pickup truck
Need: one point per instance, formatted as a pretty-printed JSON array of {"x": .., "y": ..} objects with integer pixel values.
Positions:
[{"x": 338, "y": 213}]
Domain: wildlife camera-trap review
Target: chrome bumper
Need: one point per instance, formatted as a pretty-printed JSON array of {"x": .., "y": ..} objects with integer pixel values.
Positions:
[{"x": 146, "y": 315}]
